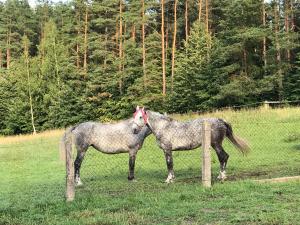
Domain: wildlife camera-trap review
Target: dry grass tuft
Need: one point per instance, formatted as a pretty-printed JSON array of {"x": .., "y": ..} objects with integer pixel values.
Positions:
[{"x": 30, "y": 137}]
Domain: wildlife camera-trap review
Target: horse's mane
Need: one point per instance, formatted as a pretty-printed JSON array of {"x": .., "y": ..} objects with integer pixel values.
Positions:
[
  {"x": 162, "y": 116},
  {"x": 117, "y": 121}
]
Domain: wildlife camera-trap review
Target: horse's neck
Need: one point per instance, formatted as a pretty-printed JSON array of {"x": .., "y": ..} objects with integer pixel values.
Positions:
[
  {"x": 157, "y": 123},
  {"x": 145, "y": 132}
]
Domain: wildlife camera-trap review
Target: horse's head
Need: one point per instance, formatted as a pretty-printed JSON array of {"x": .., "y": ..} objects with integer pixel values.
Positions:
[{"x": 140, "y": 119}]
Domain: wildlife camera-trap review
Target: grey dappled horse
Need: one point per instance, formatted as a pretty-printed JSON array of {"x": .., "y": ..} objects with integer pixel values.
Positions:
[
  {"x": 172, "y": 135},
  {"x": 107, "y": 138}
]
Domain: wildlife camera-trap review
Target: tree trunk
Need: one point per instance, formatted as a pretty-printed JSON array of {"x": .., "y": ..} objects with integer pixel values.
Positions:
[
  {"x": 133, "y": 32},
  {"x": 276, "y": 15},
  {"x": 207, "y": 16},
  {"x": 163, "y": 48},
  {"x": 278, "y": 54},
  {"x": 174, "y": 45},
  {"x": 200, "y": 10},
  {"x": 77, "y": 44},
  {"x": 8, "y": 49},
  {"x": 120, "y": 48},
  {"x": 207, "y": 28},
  {"x": 167, "y": 39},
  {"x": 186, "y": 20},
  {"x": 123, "y": 49},
  {"x": 143, "y": 44},
  {"x": 287, "y": 26},
  {"x": 85, "y": 41},
  {"x": 264, "y": 39},
  {"x": 26, "y": 54}
]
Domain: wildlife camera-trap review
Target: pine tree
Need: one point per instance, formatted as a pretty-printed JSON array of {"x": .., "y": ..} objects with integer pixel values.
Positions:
[
  {"x": 86, "y": 65},
  {"x": 190, "y": 87}
]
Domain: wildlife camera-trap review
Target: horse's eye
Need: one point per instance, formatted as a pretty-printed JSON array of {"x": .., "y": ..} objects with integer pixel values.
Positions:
[{"x": 141, "y": 117}]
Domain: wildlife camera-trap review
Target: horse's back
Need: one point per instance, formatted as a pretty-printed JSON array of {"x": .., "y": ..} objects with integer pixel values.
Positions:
[
  {"x": 107, "y": 138},
  {"x": 188, "y": 134}
]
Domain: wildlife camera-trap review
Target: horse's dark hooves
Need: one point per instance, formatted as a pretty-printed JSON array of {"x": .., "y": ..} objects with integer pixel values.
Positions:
[{"x": 131, "y": 179}]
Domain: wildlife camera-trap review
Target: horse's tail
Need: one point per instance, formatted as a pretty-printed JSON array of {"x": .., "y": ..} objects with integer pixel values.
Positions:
[
  {"x": 65, "y": 142},
  {"x": 238, "y": 142}
]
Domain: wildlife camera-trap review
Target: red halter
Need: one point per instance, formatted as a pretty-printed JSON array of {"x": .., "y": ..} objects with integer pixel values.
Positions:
[{"x": 144, "y": 115}]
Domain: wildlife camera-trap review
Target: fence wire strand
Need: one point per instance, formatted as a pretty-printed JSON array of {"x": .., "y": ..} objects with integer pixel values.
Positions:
[{"x": 273, "y": 135}]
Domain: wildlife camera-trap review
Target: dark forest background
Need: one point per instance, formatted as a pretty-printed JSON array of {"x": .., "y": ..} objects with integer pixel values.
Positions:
[{"x": 65, "y": 63}]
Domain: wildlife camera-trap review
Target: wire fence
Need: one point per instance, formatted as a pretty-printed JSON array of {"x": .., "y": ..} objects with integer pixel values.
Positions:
[
  {"x": 272, "y": 131},
  {"x": 272, "y": 154}
]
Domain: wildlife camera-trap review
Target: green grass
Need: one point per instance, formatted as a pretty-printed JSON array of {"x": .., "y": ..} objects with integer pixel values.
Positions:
[{"x": 32, "y": 180}]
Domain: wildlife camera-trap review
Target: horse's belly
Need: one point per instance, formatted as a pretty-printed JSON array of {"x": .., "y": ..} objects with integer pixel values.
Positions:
[
  {"x": 115, "y": 151},
  {"x": 111, "y": 148},
  {"x": 180, "y": 145}
]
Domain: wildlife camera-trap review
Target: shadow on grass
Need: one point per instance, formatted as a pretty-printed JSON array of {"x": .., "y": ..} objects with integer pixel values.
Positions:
[
  {"x": 183, "y": 176},
  {"x": 296, "y": 147}
]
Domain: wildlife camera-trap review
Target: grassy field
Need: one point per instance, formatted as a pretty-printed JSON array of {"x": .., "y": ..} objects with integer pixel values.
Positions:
[{"x": 32, "y": 180}]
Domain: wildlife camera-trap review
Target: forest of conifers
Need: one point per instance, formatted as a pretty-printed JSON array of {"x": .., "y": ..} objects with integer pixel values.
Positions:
[{"x": 74, "y": 61}]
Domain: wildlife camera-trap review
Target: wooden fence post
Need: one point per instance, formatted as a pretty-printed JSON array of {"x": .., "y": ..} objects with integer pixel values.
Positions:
[
  {"x": 70, "y": 183},
  {"x": 206, "y": 157},
  {"x": 266, "y": 105}
]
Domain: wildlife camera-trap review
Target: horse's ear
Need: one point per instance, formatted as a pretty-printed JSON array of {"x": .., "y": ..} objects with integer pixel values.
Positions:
[
  {"x": 133, "y": 109},
  {"x": 137, "y": 108}
]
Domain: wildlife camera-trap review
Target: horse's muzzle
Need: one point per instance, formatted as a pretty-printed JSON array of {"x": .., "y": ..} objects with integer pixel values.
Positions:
[{"x": 136, "y": 129}]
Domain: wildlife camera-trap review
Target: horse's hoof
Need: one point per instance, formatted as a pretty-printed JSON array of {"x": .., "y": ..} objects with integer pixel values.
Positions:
[
  {"x": 78, "y": 184},
  {"x": 222, "y": 176},
  {"x": 169, "y": 181},
  {"x": 132, "y": 180}
]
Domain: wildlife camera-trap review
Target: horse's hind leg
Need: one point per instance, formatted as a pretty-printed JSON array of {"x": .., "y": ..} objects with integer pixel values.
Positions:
[
  {"x": 81, "y": 150},
  {"x": 169, "y": 161},
  {"x": 223, "y": 158}
]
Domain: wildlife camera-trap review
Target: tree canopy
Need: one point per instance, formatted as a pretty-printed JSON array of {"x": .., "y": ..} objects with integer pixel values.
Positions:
[{"x": 65, "y": 63}]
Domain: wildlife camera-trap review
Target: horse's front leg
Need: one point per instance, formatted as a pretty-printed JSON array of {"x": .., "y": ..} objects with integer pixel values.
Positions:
[
  {"x": 132, "y": 157},
  {"x": 169, "y": 161}
]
